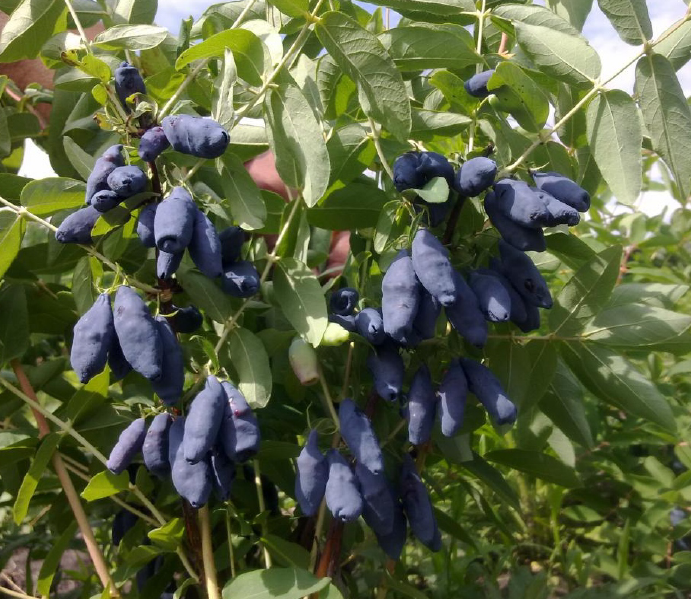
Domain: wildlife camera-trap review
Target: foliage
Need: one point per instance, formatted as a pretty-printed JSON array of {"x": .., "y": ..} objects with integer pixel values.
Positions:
[{"x": 574, "y": 501}]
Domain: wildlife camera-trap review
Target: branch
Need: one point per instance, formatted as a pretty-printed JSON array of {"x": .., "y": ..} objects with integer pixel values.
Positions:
[
  {"x": 262, "y": 508},
  {"x": 208, "y": 554}
]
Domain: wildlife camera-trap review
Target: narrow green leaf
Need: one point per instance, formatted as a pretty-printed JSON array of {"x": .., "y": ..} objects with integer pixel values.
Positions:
[
  {"x": 81, "y": 161},
  {"x": 169, "y": 536},
  {"x": 205, "y": 294},
  {"x": 667, "y": 116},
  {"x": 295, "y": 136},
  {"x": 616, "y": 381},
  {"x": 131, "y": 37},
  {"x": 520, "y": 96},
  {"x": 12, "y": 186},
  {"x": 292, "y": 8},
  {"x": 29, "y": 27},
  {"x": 302, "y": 299},
  {"x": 615, "y": 136},
  {"x": 538, "y": 15},
  {"x": 586, "y": 293},
  {"x": 430, "y": 123},
  {"x": 44, "y": 197},
  {"x": 538, "y": 464},
  {"x": 223, "y": 93},
  {"x": 287, "y": 553},
  {"x": 14, "y": 322},
  {"x": 351, "y": 151},
  {"x": 355, "y": 206},
  {"x": 560, "y": 55},
  {"x": 52, "y": 561},
  {"x": 251, "y": 362},
  {"x": 677, "y": 46},
  {"x": 82, "y": 285},
  {"x": 12, "y": 229},
  {"x": 574, "y": 11},
  {"x": 286, "y": 583},
  {"x": 563, "y": 405},
  {"x": 636, "y": 325},
  {"x": 362, "y": 57},
  {"x": 654, "y": 294},
  {"x": 31, "y": 478},
  {"x": 5, "y": 139},
  {"x": 426, "y": 46},
  {"x": 246, "y": 48},
  {"x": 135, "y": 12},
  {"x": 439, "y": 7},
  {"x": 494, "y": 479},
  {"x": 105, "y": 484},
  {"x": 630, "y": 18},
  {"x": 245, "y": 201}
]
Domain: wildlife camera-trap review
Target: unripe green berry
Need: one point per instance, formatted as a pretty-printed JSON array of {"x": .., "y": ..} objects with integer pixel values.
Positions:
[{"x": 303, "y": 360}]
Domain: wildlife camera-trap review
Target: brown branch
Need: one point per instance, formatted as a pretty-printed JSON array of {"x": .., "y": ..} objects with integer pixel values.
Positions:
[
  {"x": 68, "y": 487},
  {"x": 502, "y": 45}
]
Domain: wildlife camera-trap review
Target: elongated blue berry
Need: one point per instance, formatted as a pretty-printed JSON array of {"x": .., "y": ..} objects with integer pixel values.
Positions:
[
  {"x": 104, "y": 165},
  {"x": 119, "y": 366},
  {"x": 475, "y": 176},
  {"x": 172, "y": 380},
  {"x": 127, "y": 181},
  {"x": 197, "y": 136},
  {"x": 486, "y": 387},
  {"x": 357, "y": 431},
  {"x": 187, "y": 320},
  {"x": 223, "y": 471},
  {"x": 520, "y": 237},
  {"x": 518, "y": 202},
  {"x": 174, "y": 221},
  {"x": 231, "y": 240},
  {"x": 370, "y": 324},
  {"x": 240, "y": 279},
  {"x": 379, "y": 502},
  {"x": 155, "y": 447},
  {"x": 564, "y": 189},
  {"x": 519, "y": 269},
  {"x": 418, "y": 506},
  {"x": 205, "y": 247},
  {"x": 388, "y": 370},
  {"x": 476, "y": 86},
  {"x": 152, "y": 144},
  {"x": 400, "y": 297},
  {"x": 433, "y": 267},
  {"x": 167, "y": 264},
  {"x": 347, "y": 322},
  {"x": 453, "y": 392},
  {"x": 93, "y": 338},
  {"x": 204, "y": 420},
  {"x": 422, "y": 407},
  {"x": 239, "y": 434},
  {"x": 193, "y": 482},
  {"x": 76, "y": 228},
  {"x": 105, "y": 200},
  {"x": 465, "y": 315},
  {"x": 392, "y": 543},
  {"x": 311, "y": 476},
  {"x": 493, "y": 297},
  {"x": 137, "y": 333},
  {"x": 344, "y": 301},
  {"x": 129, "y": 444},
  {"x": 128, "y": 81},
  {"x": 342, "y": 489},
  {"x": 145, "y": 225}
]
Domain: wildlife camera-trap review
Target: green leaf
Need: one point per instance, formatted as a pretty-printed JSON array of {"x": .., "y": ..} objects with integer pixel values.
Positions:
[
  {"x": 537, "y": 464},
  {"x": 302, "y": 299},
  {"x": 677, "y": 46},
  {"x": 12, "y": 229},
  {"x": 286, "y": 583},
  {"x": 439, "y": 7},
  {"x": 82, "y": 285},
  {"x": 403, "y": 588},
  {"x": 105, "y": 484},
  {"x": 131, "y": 37},
  {"x": 615, "y": 136},
  {"x": 12, "y": 186},
  {"x": 452, "y": 527},
  {"x": 292, "y": 8},
  {"x": 494, "y": 479},
  {"x": 565, "y": 57},
  {"x": 667, "y": 116},
  {"x": 520, "y": 96},
  {"x": 616, "y": 381},
  {"x": 5, "y": 139},
  {"x": 251, "y": 362},
  {"x": 30, "y": 482},
  {"x": 430, "y": 123},
  {"x": 206, "y": 295},
  {"x": 574, "y": 11},
  {"x": 44, "y": 197},
  {"x": 295, "y": 136},
  {"x": 136, "y": 12},
  {"x": 630, "y": 18},
  {"x": 81, "y": 160},
  {"x": 52, "y": 561},
  {"x": 247, "y": 205},
  {"x": 355, "y": 206},
  {"x": 637, "y": 325},
  {"x": 170, "y": 535},
  {"x": 563, "y": 405},
  {"x": 435, "y": 191},
  {"x": 654, "y": 294},
  {"x": 246, "y": 48},
  {"x": 351, "y": 151},
  {"x": 389, "y": 227},
  {"x": 418, "y": 47},
  {"x": 14, "y": 323},
  {"x": 223, "y": 93},
  {"x": 383, "y": 95},
  {"x": 586, "y": 293},
  {"x": 287, "y": 553},
  {"x": 30, "y": 25}
]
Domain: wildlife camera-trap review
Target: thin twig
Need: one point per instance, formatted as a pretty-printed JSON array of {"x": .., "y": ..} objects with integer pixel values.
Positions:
[
  {"x": 377, "y": 145},
  {"x": 11, "y": 592},
  {"x": 262, "y": 508},
  {"x": 208, "y": 554}
]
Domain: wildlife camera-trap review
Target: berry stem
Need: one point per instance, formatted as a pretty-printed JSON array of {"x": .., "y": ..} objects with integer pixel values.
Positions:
[
  {"x": 376, "y": 134},
  {"x": 208, "y": 554},
  {"x": 262, "y": 508}
]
